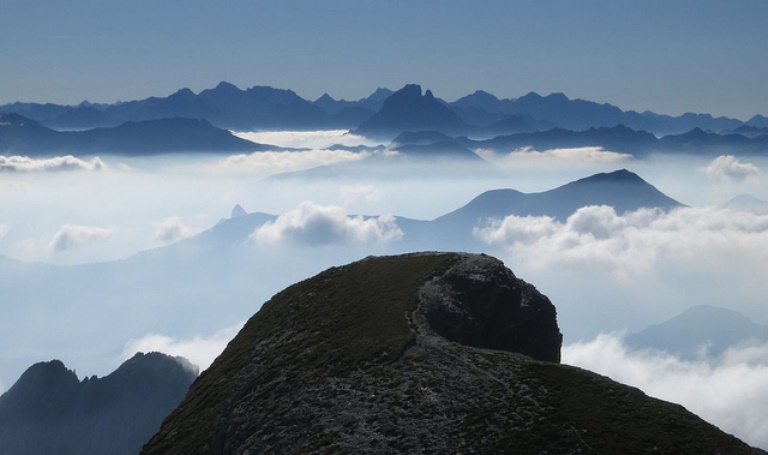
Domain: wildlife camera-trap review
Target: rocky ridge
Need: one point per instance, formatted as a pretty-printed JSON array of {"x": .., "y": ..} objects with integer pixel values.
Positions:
[{"x": 414, "y": 354}]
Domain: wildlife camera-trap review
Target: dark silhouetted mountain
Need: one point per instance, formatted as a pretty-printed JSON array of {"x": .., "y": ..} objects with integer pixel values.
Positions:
[
  {"x": 618, "y": 139},
  {"x": 701, "y": 142},
  {"x": 25, "y": 137},
  {"x": 748, "y": 131},
  {"x": 48, "y": 410},
  {"x": 699, "y": 331},
  {"x": 626, "y": 140},
  {"x": 580, "y": 114},
  {"x": 409, "y": 110},
  {"x": 421, "y": 353},
  {"x": 347, "y": 114},
  {"x": 432, "y": 145},
  {"x": 227, "y": 106}
]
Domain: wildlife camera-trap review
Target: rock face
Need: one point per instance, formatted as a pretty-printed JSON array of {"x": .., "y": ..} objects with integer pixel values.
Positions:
[
  {"x": 421, "y": 353},
  {"x": 48, "y": 410}
]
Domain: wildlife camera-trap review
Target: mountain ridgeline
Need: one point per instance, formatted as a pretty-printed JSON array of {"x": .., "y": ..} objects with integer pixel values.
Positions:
[
  {"x": 49, "y": 410},
  {"x": 419, "y": 353},
  {"x": 186, "y": 121}
]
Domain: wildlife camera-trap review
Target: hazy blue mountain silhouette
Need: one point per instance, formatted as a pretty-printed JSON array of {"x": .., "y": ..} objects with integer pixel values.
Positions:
[
  {"x": 19, "y": 135},
  {"x": 701, "y": 330},
  {"x": 409, "y": 110},
  {"x": 578, "y": 114},
  {"x": 49, "y": 410},
  {"x": 758, "y": 121},
  {"x": 259, "y": 107},
  {"x": 617, "y": 138},
  {"x": 623, "y": 139},
  {"x": 622, "y": 190}
]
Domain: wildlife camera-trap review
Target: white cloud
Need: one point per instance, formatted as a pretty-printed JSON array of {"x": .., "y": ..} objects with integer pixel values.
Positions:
[
  {"x": 314, "y": 224},
  {"x": 72, "y": 236},
  {"x": 201, "y": 351},
  {"x": 728, "y": 167},
  {"x": 276, "y": 162},
  {"x": 172, "y": 229},
  {"x": 3, "y": 230},
  {"x": 527, "y": 155},
  {"x": 596, "y": 236},
  {"x": 306, "y": 139},
  {"x": 55, "y": 164},
  {"x": 730, "y": 391}
]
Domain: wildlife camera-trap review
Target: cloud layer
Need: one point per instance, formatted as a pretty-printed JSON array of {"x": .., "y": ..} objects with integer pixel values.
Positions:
[
  {"x": 277, "y": 162},
  {"x": 636, "y": 241},
  {"x": 728, "y": 167},
  {"x": 55, "y": 164},
  {"x": 306, "y": 139},
  {"x": 317, "y": 225},
  {"x": 730, "y": 391},
  {"x": 583, "y": 155}
]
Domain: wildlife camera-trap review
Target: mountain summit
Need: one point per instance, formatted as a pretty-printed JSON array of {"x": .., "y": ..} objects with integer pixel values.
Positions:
[
  {"x": 420, "y": 353},
  {"x": 409, "y": 110}
]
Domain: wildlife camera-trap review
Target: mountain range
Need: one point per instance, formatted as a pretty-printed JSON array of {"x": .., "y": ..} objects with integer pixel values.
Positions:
[
  {"x": 22, "y": 136},
  {"x": 420, "y": 353},
  {"x": 49, "y": 410},
  {"x": 529, "y": 121}
]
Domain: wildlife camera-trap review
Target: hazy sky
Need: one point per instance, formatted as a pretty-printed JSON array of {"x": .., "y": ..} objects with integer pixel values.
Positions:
[{"x": 670, "y": 57}]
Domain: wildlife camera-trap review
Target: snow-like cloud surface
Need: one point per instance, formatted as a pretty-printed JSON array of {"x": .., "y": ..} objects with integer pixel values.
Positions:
[
  {"x": 728, "y": 167},
  {"x": 172, "y": 229},
  {"x": 730, "y": 391},
  {"x": 275, "y": 162},
  {"x": 55, "y": 164},
  {"x": 584, "y": 155},
  {"x": 306, "y": 139},
  {"x": 314, "y": 224},
  {"x": 201, "y": 351},
  {"x": 597, "y": 236},
  {"x": 72, "y": 236}
]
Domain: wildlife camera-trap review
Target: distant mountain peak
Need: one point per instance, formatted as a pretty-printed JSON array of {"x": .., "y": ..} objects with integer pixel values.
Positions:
[
  {"x": 238, "y": 211},
  {"x": 226, "y": 86},
  {"x": 621, "y": 175}
]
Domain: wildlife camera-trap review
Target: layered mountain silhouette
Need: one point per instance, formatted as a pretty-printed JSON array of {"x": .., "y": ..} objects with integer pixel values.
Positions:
[
  {"x": 421, "y": 353},
  {"x": 49, "y": 410},
  {"x": 410, "y": 110},
  {"x": 22, "y": 136},
  {"x": 531, "y": 120},
  {"x": 699, "y": 332}
]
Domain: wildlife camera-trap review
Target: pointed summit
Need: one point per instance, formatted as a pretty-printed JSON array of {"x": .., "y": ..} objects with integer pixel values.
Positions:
[
  {"x": 238, "y": 211},
  {"x": 409, "y": 110}
]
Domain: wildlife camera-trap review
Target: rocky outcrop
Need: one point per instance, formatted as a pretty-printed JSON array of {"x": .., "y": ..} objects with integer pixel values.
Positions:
[
  {"x": 479, "y": 302},
  {"x": 421, "y": 353}
]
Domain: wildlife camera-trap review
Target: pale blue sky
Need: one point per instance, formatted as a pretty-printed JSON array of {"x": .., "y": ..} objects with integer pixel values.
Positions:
[{"x": 665, "y": 55}]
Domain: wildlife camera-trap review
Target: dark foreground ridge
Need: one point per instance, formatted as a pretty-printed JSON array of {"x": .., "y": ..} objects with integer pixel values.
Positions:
[
  {"x": 50, "y": 411},
  {"x": 421, "y": 353}
]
